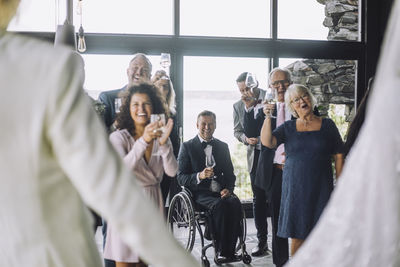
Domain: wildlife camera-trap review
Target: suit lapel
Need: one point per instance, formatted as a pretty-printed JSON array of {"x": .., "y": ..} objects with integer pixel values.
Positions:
[{"x": 199, "y": 152}]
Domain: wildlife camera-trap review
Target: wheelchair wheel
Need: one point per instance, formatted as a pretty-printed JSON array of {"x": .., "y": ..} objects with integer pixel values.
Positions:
[
  {"x": 205, "y": 262},
  {"x": 181, "y": 220},
  {"x": 246, "y": 259}
]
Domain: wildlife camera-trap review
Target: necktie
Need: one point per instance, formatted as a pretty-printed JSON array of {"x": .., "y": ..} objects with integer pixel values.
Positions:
[
  {"x": 281, "y": 114},
  {"x": 279, "y": 158}
]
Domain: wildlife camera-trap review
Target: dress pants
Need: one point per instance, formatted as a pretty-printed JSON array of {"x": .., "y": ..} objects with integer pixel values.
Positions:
[
  {"x": 280, "y": 246},
  {"x": 224, "y": 222},
  {"x": 260, "y": 204}
]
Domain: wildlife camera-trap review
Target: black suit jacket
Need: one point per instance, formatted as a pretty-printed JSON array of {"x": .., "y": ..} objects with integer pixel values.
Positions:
[
  {"x": 252, "y": 128},
  {"x": 108, "y": 99},
  {"x": 191, "y": 160}
]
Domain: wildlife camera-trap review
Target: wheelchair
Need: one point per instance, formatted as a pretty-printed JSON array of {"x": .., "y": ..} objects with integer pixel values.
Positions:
[{"x": 185, "y": 216}]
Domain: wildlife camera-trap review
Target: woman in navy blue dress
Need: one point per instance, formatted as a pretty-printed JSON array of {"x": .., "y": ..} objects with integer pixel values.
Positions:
[{"x": 311, "y": 142}]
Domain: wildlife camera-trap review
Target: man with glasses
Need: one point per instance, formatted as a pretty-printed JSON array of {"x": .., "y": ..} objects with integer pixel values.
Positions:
[{"x": 270, "y": 163}]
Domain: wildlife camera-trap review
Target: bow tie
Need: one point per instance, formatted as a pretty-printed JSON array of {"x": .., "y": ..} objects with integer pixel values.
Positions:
[{"x": 204, "y": 144}]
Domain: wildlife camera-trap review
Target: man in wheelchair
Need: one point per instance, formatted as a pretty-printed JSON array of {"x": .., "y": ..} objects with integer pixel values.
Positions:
[{"x": 205, "y": 167}]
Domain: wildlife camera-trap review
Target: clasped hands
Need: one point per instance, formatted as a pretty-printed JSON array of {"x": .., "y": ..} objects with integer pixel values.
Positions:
[{"x": 151, "y": 131}]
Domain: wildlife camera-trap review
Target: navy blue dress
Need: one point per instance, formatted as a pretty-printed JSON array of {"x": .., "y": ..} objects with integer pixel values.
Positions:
[{"x": 307, "y": 176}]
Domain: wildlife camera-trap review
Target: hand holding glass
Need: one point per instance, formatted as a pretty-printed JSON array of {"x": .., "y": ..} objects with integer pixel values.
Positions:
[
  {"x": 251, "y": 81},
  {"x": 165, "y": 60},
  {"x": 160, "y": 118},
  {"x": 210, "y": 163},
  {"x": 270, "y": 98}
]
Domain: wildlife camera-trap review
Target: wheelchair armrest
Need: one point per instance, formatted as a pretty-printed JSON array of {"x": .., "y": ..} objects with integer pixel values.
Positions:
[{"x": 187, "y": 191}]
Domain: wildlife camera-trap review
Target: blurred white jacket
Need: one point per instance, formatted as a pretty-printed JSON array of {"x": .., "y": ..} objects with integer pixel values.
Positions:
[{"x": 55, "y": 156}]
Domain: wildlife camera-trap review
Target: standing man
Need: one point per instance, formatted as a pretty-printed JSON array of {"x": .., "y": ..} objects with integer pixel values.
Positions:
[
  {"x": 212, "y": 187},
  {"x": 260, "y": 205},
  {"x": 270, "y": 163},
  {"x": 139, "y": 70}
]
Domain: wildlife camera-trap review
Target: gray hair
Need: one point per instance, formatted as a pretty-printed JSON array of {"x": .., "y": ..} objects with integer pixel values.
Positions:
[
  {"x": 144, "y": 56},
  {"x": 298, "y": 89},
  {"x": 287, "y": 72}
]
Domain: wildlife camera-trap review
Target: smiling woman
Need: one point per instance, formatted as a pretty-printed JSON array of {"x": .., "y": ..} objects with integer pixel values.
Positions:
[
  {"x": 310, "y": 144},
  {"x": 137, "y": 140}
]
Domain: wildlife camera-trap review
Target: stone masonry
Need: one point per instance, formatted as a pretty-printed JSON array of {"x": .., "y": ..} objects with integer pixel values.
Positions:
[{"x": 332, "y": 81}]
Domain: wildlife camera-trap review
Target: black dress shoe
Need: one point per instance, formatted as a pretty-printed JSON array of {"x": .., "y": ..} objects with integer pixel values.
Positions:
[
  {"x": 260, "y": 250},
  {"x": 235, "y": 257},
  {"x": 218, "y": 259}
]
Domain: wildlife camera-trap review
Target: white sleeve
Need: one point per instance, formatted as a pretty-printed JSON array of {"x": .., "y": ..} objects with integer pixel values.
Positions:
[{"x": 81, "y": 147}]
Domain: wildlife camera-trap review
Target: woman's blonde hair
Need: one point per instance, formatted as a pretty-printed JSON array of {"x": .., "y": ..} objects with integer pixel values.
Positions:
[
  {"x": 7, "y": 12},
  {"x": 298, "y": 89}
]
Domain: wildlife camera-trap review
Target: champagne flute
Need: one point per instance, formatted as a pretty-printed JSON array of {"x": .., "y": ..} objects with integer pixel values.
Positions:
[
  {"x": 158, "y": 118},
  {"x": 251, "y": 81},
  {"x": 210, "y": 163},
  {"x": 270, "y": 98},
  {"x": 117, "y": 104},
  {"x": 165, "y": 60}
]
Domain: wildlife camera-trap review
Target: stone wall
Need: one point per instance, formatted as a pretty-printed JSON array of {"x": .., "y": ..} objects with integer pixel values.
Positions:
[
  {"x": 332, "y": 81},
  {"x": 341, "y": 19}
]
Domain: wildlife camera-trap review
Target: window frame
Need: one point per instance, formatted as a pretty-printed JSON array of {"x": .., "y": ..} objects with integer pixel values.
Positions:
[{"x": 179, "y": 46}]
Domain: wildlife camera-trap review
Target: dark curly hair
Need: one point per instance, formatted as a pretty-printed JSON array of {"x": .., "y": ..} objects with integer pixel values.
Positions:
[{"x": 124, "y": 119}]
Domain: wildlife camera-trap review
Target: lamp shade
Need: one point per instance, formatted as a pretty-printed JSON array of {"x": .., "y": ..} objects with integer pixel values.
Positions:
[{"x": 65, "y": 35}]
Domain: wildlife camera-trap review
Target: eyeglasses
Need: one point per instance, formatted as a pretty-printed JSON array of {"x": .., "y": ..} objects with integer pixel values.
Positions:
[
  {"x": 282, "y": 82},
  {"x": 296, "y": 100}
]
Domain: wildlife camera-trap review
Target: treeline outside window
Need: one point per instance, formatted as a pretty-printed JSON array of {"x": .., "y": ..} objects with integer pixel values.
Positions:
[{"x": 201, "y": 81}]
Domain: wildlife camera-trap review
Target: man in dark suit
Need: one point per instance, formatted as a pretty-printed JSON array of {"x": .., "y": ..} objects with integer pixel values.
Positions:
[
  {"x": 260, "y": 204},
  {"x": 214, "y": 195},
  {"x": 139, "y": 70},
  {"x": 270, "y": 163}
]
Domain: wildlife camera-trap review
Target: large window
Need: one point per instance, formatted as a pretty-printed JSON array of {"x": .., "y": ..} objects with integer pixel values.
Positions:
[
  {"x": 225, "y": 18},
  {"x": 210, "y": 84},
  {"x": 35, "y": 16},
  {"x": 100, "y": 16},
  {"x": 211, "y": 43},
  {"x": 108, "y": 72}
]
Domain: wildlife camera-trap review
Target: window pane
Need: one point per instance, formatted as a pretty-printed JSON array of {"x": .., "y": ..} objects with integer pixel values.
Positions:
[
  {"x": 333, "y": 84},
  {"x": 108, "y": 72},
  {"x": 128, "y": 16},
  {"x": 330, "y": 21},
  {"x": 210, "y": 84},
  {"x": 226, "y": 18},
  {"x": 101, "y": 16},
  {"x": 35, "y": 16}
]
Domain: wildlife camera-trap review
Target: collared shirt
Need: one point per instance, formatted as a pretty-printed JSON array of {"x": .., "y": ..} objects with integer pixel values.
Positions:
[{"x": 288, "y": 116}]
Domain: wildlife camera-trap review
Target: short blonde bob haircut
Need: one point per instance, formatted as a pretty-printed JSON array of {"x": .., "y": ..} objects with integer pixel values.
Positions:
[
  {"x": 295, "y": 90},
  {"x": 7, "y": 12}
]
